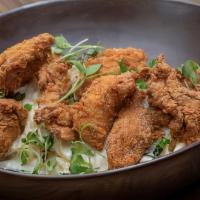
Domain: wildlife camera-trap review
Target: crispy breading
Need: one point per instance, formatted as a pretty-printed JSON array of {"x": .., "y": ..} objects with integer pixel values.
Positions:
[
  {"x": 133, "y": 133},
  {"x": 53, "y": 81},
  {"x": 58, "y": 120},
  {"x": 134, "y": 59},
  {"x": 99, "y": 106},
  {"x": 169, "y": 93},
  {"x": 110, "y": 58},
  {"x": 12, "y": 122},
  {"x": 19, "y": 62}
]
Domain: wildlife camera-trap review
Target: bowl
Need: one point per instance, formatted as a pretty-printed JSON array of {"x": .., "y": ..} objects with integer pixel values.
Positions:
[{"x": 155, "y": 26}]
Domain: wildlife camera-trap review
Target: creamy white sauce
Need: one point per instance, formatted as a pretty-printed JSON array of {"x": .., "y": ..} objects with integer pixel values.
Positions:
[{"x": 62, "y": 149}]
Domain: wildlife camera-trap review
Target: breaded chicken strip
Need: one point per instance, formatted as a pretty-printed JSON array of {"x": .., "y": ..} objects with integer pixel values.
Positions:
[
  {"x": 58, "y": 120},
  {"x": 53, "y": 81},
  {"x": 168, "y": 92},
  {"x": 109, "y": 58},
  {"x": 99, "y": 107},
  {"x": 20, "y": 62},
  {"x": 12, "y": 121},
  {"x": 133, "y": 133},
  {"x": 94, "y": 114}
]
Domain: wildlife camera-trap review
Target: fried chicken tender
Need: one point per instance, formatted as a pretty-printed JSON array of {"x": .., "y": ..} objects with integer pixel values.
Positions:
[
  {"x": 168, "y": 92},
  {"x": 12, "y": 122},
  {"x": 20, "y": 62},
  {"x": 133, "y": 132},
  {"x": 53, "y": 81},
  {"x": 58, "y": 120},
  {"x": 99, "y": 107},
  {"x": 109, "y": 58},
  {"x": 95, "y": 111}
]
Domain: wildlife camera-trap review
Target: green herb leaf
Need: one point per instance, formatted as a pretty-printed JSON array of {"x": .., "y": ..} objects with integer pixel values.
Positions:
[
  {"x": 37, "y": 168},
  {"x": 28, "y": 106},
  {"x": 79, "y": 66},
  {"x": 33, "y": 138},
  {"x": 123, "y": 66},
  {"x": 141, "y": 84},
  {"x": 179, "y": 69},
  {"x": 48, "y": 144},
  {"x": 56, "y": 50},
  {"x": 2, "y": 94},
  {"x": 61, "y": 42},
  {"x": 79, "y": 147},
  {"x": 92, "y": 52},
  {"x": 189, "y": 71},
  {"x": 19, "y": 96},
  {"x": 92, "y": 69},
  {"x": 161, "y": 144},
  {"x": 24, "y": 155},
  {"x": 51, "y": 164},
  {"x": 78, "y": 164},
  {"x": 152, "y": 63}
]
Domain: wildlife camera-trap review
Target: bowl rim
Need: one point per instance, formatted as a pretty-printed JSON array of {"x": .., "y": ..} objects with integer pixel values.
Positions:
[{"x": 102, "y": 173}]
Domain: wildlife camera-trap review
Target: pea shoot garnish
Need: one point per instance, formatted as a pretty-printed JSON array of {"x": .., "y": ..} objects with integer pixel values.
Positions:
[
  {"x": 152, "y": 63},
  {"x": 28, "y": 106},
  {"x": 160, "y": 145},
  {"x": 80, "y": 51},
  {"x": 141, "y": 84},
  {"x": 37, "y": 146},
  {"x": 87, "y": 72},
  {"x": 189, "y": 70},
  {"x": 123, "y": 67},
  {"x": 78, "y": 164}
]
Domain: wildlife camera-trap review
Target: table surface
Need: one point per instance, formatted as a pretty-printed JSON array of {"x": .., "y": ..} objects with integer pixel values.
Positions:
[
  {"x": 10, "y": 4},
  {"x": 192, "y": 192}
]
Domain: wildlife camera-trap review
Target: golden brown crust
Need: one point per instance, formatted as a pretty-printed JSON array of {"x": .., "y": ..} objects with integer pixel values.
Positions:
[
  {"x": 58, "y": 120},
  {"x": 133, "y": 132},
  {"x": 110, "y": 58},
  {"x": 53, "y": 81},
  {"x": 167, "y": 92},
  {"x": 21, "y": 61},
  {"x": 12, "y": 121},
  {"x": 99, "y": 106}
]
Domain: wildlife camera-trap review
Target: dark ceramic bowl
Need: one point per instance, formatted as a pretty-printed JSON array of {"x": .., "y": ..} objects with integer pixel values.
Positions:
[{"x": 156, "y": 26}]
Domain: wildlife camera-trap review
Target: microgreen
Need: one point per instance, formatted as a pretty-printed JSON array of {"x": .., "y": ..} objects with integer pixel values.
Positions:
[
  {"x": 189, "y": 70},
  {"x": 28, "y": 106},
  {"x": 160, "y": 145},
  {"x": 92, "y": 52},
  {"x": 152, "y": 63},
  {"x": 61, "y": 42},
  {"x": 123, "y": 67},
  {"x": 141, "y": 84},
  {"x": 51, "y": 164},
  {"x": 87, "y": 73},
  {"x": 37, "y": 167},
  {"x": 78, "y": 164},
  {"x": 24, "y": 155},
  {"x": 79, "y": 50},
  {"x": 34, "y": 141}
]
